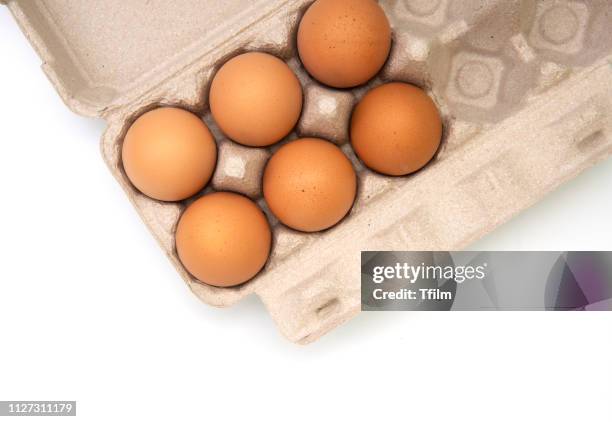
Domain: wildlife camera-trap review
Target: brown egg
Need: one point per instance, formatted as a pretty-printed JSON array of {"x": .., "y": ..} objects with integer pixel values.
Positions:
[
  {"x": 309, "y": 184},
  {"x": 344, "y": 43},
  {"x": 256, "y": 99},
  {"x": 396, "y": 129},
  {"x": 223, "y": 239},
  {"x": 169, "y": 154}
]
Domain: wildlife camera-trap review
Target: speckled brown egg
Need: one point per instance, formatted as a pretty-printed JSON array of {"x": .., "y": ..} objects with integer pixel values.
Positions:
[
  {"x": 169, "y": 154},
  {"x": 256, "y": 99},
  {"x": 309, "y": 184},
  {"x": 344, "y": 43},
  {"x": 223, "y": 239},
  {"x": 396, "y": 129}
]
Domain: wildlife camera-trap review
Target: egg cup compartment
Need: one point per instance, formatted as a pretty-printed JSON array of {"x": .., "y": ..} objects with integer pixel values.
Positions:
[{"x": 524, "y": 89}]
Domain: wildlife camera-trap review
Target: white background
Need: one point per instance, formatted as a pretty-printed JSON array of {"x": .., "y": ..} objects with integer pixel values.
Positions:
[{"x": 91, "y": 310}]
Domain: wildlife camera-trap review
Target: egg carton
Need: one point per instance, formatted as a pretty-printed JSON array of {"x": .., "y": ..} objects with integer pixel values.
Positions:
[{"x": 524, "y": 88}]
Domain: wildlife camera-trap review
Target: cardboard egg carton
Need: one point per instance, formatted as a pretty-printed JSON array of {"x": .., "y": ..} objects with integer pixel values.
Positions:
[{"x": 524, "y": 87}]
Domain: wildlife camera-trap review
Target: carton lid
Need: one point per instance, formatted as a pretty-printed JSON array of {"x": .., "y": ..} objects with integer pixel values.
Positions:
[{"x": 100, "y": 54}]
